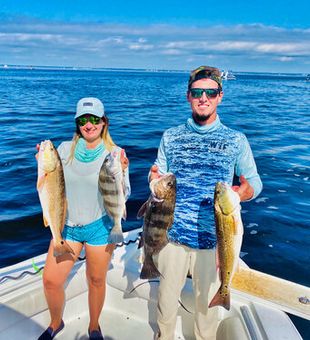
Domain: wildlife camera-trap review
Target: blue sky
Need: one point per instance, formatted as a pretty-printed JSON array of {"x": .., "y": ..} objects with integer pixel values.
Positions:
[{"x": 270, "y": 36}]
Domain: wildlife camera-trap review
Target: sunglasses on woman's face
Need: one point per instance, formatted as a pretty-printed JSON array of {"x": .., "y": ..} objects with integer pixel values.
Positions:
[
  {"x": 210, "y": 93},
  {"x": 84, "y": 120}
]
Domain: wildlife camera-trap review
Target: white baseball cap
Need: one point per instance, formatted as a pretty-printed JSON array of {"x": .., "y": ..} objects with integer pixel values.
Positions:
[{"x": 90, "y": 105}]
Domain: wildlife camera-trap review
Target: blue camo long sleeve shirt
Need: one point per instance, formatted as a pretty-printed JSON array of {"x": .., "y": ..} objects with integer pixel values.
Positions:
[{"x": 200, "y": 156}]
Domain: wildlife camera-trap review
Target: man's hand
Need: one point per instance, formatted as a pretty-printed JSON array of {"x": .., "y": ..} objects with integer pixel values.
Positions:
[
  {"x": 245, "y": 190},
  {"x": 124, "y": 160},
  {"x": 154, "y": 174}
]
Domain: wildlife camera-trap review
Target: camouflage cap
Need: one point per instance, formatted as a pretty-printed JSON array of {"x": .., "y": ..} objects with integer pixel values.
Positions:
[{"x": 203, "y": 72}]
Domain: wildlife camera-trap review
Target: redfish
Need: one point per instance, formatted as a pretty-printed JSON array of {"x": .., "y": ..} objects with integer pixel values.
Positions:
[
  {"x": 229, "y": 231},
  {"x": 51, "y": 190}
]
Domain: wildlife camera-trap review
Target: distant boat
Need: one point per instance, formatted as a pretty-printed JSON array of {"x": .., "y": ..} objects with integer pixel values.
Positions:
[
  {"x": 308, "y": 77},
  {"x": 228, "y": 75}
]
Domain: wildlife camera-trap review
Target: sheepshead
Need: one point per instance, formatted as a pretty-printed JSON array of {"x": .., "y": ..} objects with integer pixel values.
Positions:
[
  {"x": 158, "y": 212},
  {"x": 112, "y": 188},
  {"x": 51, "y": 190},
  {"x": 229, "y": 231}
]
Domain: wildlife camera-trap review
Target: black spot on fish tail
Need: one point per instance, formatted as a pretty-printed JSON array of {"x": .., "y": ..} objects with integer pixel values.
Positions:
[{"x": 221, "y": 299}]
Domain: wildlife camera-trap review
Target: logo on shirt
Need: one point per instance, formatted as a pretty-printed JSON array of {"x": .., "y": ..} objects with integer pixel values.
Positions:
[{"x": 217, "y": 146}]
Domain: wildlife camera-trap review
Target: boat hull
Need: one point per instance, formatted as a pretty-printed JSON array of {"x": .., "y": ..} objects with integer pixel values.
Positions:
[{"x": 130, "y": 306}]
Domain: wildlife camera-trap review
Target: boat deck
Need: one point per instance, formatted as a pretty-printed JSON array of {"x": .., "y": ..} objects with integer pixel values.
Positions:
[
  {"x": 130, "y": 307},
  {"x": 115, "y": 325}
]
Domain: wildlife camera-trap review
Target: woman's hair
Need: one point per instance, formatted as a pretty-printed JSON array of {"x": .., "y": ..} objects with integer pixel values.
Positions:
[{"x": 105, "y": 135}]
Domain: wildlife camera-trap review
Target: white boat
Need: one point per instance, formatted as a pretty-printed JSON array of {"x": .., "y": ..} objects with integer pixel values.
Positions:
[
  {"x": 228, "y": 75},
  {"x": 130, "y": 307}
]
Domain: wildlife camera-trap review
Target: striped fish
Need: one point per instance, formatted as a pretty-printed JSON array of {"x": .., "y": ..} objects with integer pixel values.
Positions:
[
  {"x": 158, "y": 212},
  {"x": 112, "y": 188}
]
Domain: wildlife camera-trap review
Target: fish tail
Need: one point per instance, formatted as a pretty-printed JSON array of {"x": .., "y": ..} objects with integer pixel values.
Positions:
[
  {"x": 221, "y": 300},
  {"x": 116, "y": 235},
  {"x": 61, "y": 248},
  {"x": 149, "y": 270}
]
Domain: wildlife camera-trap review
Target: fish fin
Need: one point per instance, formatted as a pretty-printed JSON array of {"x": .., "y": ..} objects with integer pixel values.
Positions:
[
  {"x": 45, "y": 221},
  {"x": 124, "y": 214},
  {"x": 64, "y": 218},
  {"x": 62, "y": 248},
  {"x": 236, "y": 223},
  {"x": 124, "y": 188},
  {"x": 149, "y": 270},
  {"x": 219, "y": 300},
  {"x": 141, "y": 257},
  {"x": 141, "y": 243},
  {"x": 41, "y": 181},
  {"x": 142, "y": 210}
]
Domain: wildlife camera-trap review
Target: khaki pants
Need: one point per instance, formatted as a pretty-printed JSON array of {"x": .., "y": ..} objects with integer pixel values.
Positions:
[{"x": 174, "y": 262}]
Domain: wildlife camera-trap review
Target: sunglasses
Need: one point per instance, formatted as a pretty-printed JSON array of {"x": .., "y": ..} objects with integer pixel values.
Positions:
[
  {"x": 210, "y": 93},
  {"x": 84, "y": 120}
]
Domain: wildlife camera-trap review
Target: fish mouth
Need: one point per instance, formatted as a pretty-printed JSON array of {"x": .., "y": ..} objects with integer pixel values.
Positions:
[
  {"x": 152, "y": 185},
  {"x": 157, "y": 199},
  {"x": 225, "y": 198},
  {"x": 160, "y": 187},
  {"x": 47, "y": 160}
]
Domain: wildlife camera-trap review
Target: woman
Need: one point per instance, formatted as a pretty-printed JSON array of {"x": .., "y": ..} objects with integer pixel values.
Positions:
[{"x": 86, "y": 222}]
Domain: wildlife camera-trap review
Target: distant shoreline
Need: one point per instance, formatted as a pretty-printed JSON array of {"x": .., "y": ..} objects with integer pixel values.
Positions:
[
  {"x": 111, "y": 69},
  {"x": 72, "y": 68}
]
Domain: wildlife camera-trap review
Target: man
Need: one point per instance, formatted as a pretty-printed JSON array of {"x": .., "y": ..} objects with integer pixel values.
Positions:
[{"x": 200, "y": 153}]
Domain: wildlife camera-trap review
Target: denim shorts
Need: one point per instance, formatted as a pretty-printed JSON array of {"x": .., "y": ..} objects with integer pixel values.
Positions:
[{"x": 94, "y": 234}]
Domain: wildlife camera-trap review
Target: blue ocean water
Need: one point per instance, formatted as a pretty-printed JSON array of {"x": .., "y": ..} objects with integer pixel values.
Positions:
[{"x": 272, "y": 110}]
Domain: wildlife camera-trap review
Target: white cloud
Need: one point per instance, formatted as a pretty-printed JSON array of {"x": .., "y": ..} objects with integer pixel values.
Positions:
[
  {"x": 234, "y": 45},
  {"x": 119, "y": 45},
  {"x": 281, "y": 47},
  {"x": 172, "y": 51},
  {"x": 137, "y": 47},
  {"x": 285, "y": 59}
]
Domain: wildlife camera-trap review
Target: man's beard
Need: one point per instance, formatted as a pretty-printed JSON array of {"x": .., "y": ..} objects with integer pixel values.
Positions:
[{"x": 200, "y": 118}]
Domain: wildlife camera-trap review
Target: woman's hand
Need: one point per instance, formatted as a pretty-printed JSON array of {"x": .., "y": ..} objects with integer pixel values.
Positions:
[
  {"x": 124, "y": 160},
  {"x": 37, "y": 154}
]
